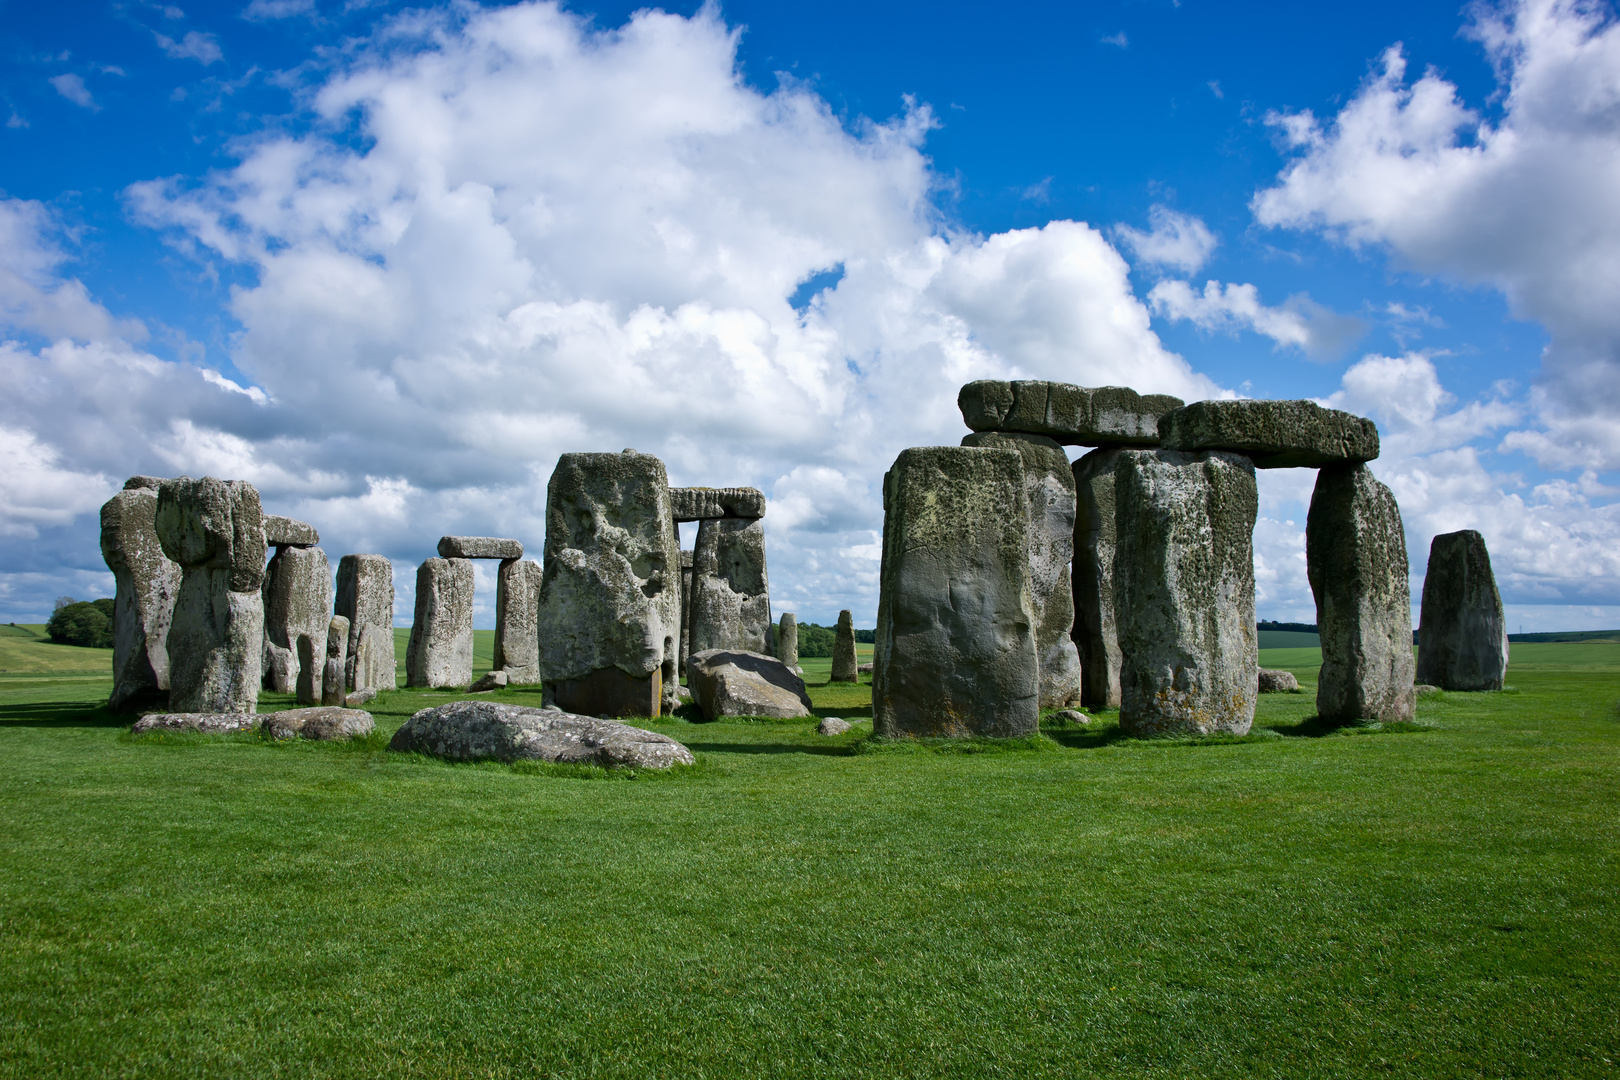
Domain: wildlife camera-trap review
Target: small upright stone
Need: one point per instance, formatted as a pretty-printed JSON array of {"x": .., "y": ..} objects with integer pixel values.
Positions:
[
  {"x": 297, "y": 595},
  {"x": 282, "y": 531},
  {"x": 146, "y": 583},
  {"x": 1072, "y": 415},
  {"x": 730, "y": 606},
  {"x": 702, "y": 504},
  {"x": 1274, "y": 434},
  {"x": 787, "y": 640},
  {"x": 441, "y": 645},
  {"x": 686, "y": 607},
  {"x": 310, "y": 667},
  {"x": 365, "y": 596},
  {"x": 337, "y": 652},
  {"x": 479, "y": 547},
  {"x": 1355, "y": 556},
  {"x": 843, "y": 658},
  {"x": 517, "y": 611},
  {"x": 1095, "y": 539},
  {"x": 1462, "y": 629}
]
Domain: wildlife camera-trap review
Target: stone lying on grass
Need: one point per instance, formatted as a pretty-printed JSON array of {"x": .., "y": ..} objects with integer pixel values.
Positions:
[
  {"x": 1073, "y": 716},
  {"x": 1274, "y": 681},
  {"x": 1276, "y": 434},
  {"x": 494, "y": 680},
  {"x": 1426, "y": 690},
  {"x": 206, "y": 723},
  {"x": 480, "y": 730},
  {"x": 360, "y": 697},
  {"x": 733, "y": 682},
  {"x": 831, "y": 725},
  {"x": 324, "y": 722},
  {"x": 864, "y": 669}
]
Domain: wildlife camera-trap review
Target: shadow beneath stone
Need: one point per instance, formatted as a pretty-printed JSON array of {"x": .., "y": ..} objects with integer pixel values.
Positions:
[
  {"x": 56, "y": 714},
  {"x": 856, "y": 712},
  {"x": 766, "y": 748},
  {"x": 1080, "y": 738}
]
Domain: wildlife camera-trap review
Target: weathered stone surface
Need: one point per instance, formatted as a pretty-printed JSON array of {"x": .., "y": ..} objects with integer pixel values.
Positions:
[
  {"x": 1072, "y": 415},
  {"x": 1095, "y": 538},
  {"x": 213, "y": 525},
  {"x": 610, "y": 599},
  {"x": 1355, "y": 555},
  {"x": 148, "y": 483},
  {"x": 311, "y": 670},
  {"x": 686, "y": 608},
  {"x": 1049, "y": 489},
  {"x": 517, "y": 621},
  {"x": 863, "y": 669},
  {"x": 297, "y": 600},
  {"x": 360, "y": 697},
  {"x": 730, "y": 606},
  {"x": 787, "y": 640},
  {"x": 205, "y": 723},
  {"x": 831, "y": 725},
  {"x": 439, "y": 653},
  {"x": 1274, "y": 434},
  {"x": 282, "y": 531},
  {"x": 146, "y": 583},
  {"x": 365, "y": 596},
  {"x": 1184, "y": 592},
  {"x": 323, "y": 722},
  {"x": 337, "y": 655},
  {"x": 735, "y": 682},
  {"x": 492, "y": 680},
  {"x": 479, "y": 547},
  {"x": 1275, "y": 681},
  {"x": 1072, "y": 716},
  {"x": 1462, "y": 630},
  {"x": 1424, "y": 690},
  {"x": 955, "y": 653},
  {"x": 844, "y": 668},
  {"x": 479, "y": 730},
  {"x": 701, "y": 503}
]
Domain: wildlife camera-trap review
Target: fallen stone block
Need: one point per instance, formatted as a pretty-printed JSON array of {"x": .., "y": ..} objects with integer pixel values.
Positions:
[
  {"x": 702, "y": 503},
  {"x": 1275, "y": 681},
  {"x": 1072, "y": 716},
  {"x": 1071, "y": 415},
  {"x": 360, "y": 697},
  {"x": 492, "y": 680},
  {"x": 1096, "y": 633},
  {"x": 735, "y": 682},
  {"x": 863, "y": 669},
  {"x": 323, "y": 722},
  {"x": 491, "y": 730},
  {"x": 282, "y": 531},
  {"x": 479, "y": 547},
  {"x": 146, "y": 583},
  {"x": 1273, "y": 434},
  {"x": 517, "y": 621},
  {"x": 1462, "y": 629},
  {"x": 730, "y": 605},
  {"x": 203, "y": 723},
  {"x": 441, "y": 645},
  {"x": 831, "y": 725}
]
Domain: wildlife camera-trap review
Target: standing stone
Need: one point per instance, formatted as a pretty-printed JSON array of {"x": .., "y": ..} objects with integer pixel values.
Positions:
[
  {"x": 1184, "y": 592},
  {"x": 686, "y": 607},
  {"x": 844, "y": 668},
  {"x": 1095, "y": 538},
  {"x": 365, "y": 596},
  {"x": 1049, "y": 488},
  {"x": 787, "y": 640},
  {"x": 337, "y": 650},
  {"x": 215, "y": 530},
  {"x": 1462, "y": 630},
  {"x": 1355, "y": 554},
  {"x": 440, "y": 652},
  {"x": 297, "y": 600},
  {"x": 146, "y": 585},
  {"x": 610, "y": 599},
  {"x": 955, "y": 653},
  {"x": 517, "y": 609},
  {"x": 731, "y": 596}
]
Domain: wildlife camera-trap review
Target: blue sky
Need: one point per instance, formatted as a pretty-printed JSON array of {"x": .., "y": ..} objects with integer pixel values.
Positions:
[{"x": 387, "y": 261}]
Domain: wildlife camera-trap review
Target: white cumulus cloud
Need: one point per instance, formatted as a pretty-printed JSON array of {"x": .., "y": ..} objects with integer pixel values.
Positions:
[
  {"x": 1299, "y": 322},
  {"x": 1176, "y": 240}
]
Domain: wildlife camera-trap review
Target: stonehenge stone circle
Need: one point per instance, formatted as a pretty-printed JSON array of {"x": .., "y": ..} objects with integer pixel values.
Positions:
[
  {"x": 1356, "y": 559},
  {"x": 1273, "y": 434},
  {"x": 479, "y": 547},
  {"x": 215, "y": 530},
  {"x": 700, "y": 503},
  {"x": 441, "y": 645},
  {"x": 1095, "y": 538},
  {"x": 365, "y": 596},
  {"x": 297, "y": 593},
  {"x": 493, "y": 730},
  {"x": 955, "y": 653},
  {"x": 337, "y": 654},
  {"x": 844, "y": 668},
  {"x": 517, "y": 628},
  {"x": 1071, "y": 415},
  {"x": 1049, "y": 486},
  {"x": 146, "y": 584},
  {"x": 787, "y": 640},
  {"x": 1462, "y": 629},
  {"x": 1184, "y": 592},
  {"x": 282, "y": 531},
  {"x": 736, "y": 682},
  {"x": 730, "y": 604},
  {"x": 610, "y": 597}
]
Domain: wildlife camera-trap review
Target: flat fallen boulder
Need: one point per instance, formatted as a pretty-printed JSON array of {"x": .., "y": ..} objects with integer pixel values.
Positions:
[
  {"x": 323, "y": 722},
  {"x": 282, "y": 531},
  {"x": 700, "y": 503},
  {"x": 492, "y": 730},
  {"x": 1274, "y": 434},
  {"x": 735, "y": 682},
  {"x": 479, "y": 547},
  {"x": 1277, "y": 681},
  {"x": 206, "y": 723},
  {"x": 1071, "y": 415}
]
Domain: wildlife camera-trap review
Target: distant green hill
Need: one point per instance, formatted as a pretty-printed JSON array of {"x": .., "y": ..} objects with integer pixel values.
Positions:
[
  {"x": 1570, "y": 635},
  {"x": 1288, "y": 639}
]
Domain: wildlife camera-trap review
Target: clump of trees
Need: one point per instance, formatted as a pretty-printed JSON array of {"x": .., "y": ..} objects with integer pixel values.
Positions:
[
  {"x": 82, "y": 622},
  {"x": 815, "y": 640}
]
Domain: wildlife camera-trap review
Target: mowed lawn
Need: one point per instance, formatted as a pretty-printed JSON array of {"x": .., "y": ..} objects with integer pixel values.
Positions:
[{"x": 1433, "y": 900}]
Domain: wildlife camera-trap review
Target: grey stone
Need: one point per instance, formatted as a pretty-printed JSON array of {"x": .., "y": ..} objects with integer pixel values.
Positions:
[
  {"x": 146, "y": 583},
  {"x": 1462, "y": 630},
  {"x": 1355, "y": 555},
  {"x": 311, "y": 671},
  {"x": 365, "y": 596},
  {"x": 323, "y": 722},
  {"x": 1072, "y": 716},
  {"x": 1424, "y": 690},
  {"x": 1095, "y": 539},
  {"x": 863, "y": 669},
  {"x": 204, "y": 723},
  {"x": 481, "y": 730},
  {"x": 282, "y": 531},
  {"x": 844, "y": 668},
  {"x": 702, "y": 503},
  {"x": 1184, "y": 592},
  {"x": 517, "y": 627},
  {"x": 1072, "y": 415},
  {"x": 955, "y": 653},
  {"x": 494, "y": 680},
  {"x": 337, "y": 655},
  {"x": 479, "y": 547},
  {"x": 787, "y": 640},
  {"x": 440, "y": 650},
  {"x": 148, "y": 483},
  {"x": 686, "y": 612},
  {"x": 610, "y": 599},
  {"x": 360, "y": 697},
  {"x": 297, "y": 593},
  {"x": 279, "y": 667},
  {"x": 735, "y": 682},
  {"x": 831, "y": 725},
  {"x": 215, "y": 530},
  {"x": 1049, "y": 488},
  {"x": 1275, "y": 681},
  {"x": 730, "y": 606},
  {"x": 1274, "y": 434}
]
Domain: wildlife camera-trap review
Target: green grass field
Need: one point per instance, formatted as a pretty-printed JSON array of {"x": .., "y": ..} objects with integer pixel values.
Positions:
[{"x": 1431, "y": 900}]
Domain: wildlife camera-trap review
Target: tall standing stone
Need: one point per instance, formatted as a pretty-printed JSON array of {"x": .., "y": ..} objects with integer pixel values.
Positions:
[
  {"x": 1462, "y": 630},
  {"x": 955, "y": 653},
  {"x": 440, "y": 651},
  {"x": 1049, "y": 490},
  {"x": 844, "y": 666},
  {"x": 337, "y": 652},
  {"x": 311, "y": 656},
  {"x": 610, "y": 600},
  {"x": 787, "y": 640},
  {"x": 365, "y": 596},
  {"x": 1184, "y": 592},
  {"x": 730, "y": 606},
  {"x": 686, "y": 607},
  {"x": 215, "y": 530},
  {"x": 1095, "y": 631},
  {"x": 146, "y": 583},
  {"x": 1355, "y": 554},
  {"x": 517, "y": 611},
  {"x": 297, "y": 600}
]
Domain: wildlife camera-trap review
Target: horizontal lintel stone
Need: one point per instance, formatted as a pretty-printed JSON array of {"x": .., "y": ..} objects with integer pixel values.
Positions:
[
  {"x": 1071, "y": 415},
  {"x": 698, "y": 503},
  {"x": 282, "y": 531},
  {"x": 1275, "y": 434},
  {"x": 479, "y": 547}
]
